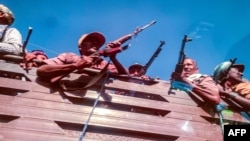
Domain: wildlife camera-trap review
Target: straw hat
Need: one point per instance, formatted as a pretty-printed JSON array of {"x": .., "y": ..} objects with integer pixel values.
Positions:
[{"x": 96, "y": 37}]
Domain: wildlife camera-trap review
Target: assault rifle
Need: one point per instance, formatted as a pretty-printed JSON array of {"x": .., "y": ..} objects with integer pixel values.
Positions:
[
  {"x": 156, "y": 53},
  {"x": 24, "y": 48},
  {"x": 182, "y": 55},
  {"x": 108, "y": 51},
  {"x": 180, "y": 64}
]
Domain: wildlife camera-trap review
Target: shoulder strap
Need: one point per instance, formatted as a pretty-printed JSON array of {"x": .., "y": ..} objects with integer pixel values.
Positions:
[{"x": 4, "y": 32}]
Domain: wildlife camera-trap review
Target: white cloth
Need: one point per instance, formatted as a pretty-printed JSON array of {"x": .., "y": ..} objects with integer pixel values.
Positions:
[
  {"x": 193, "y": 77},
  {"x": 11, "y": 41}
]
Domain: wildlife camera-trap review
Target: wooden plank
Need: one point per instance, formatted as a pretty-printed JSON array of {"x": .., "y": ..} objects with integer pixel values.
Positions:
[
  {"x": 110, "y": 122},
  {"x": 117, "y": 114},
  {"x": 53, "y": 97},
  {"x": 186, "y": 116},
  {"x": 41, "y": 125},
  {"x": 188, "y": 110},
  {"x": 22, "y": 135},
  {"x": 116, "y": 99},
  {"x": 193, "y": 112},
  {"x": 171, "y": 98},
  {"x": 149, "y": 104},
  {"x": 15, "y": 68},
  {"x": 15, "y": 84},
  {"x": 190, "y": 139},
  {"x": 11, "y": 134}
]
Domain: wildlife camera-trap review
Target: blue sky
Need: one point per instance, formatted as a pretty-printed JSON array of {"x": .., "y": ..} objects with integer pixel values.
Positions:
[{"x": 219, "y": 28}]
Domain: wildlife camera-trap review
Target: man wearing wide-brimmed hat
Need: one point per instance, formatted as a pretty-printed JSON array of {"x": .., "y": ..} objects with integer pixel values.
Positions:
[
  {"x": 231, "y": 84},
  {"x": 88, "y": 46},
  {"x": 10, "y": 38}
]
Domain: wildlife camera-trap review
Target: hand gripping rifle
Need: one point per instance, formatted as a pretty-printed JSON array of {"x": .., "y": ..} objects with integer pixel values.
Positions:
[
  {"x": 182, "y": 56},
  {"x": 24, "y": 48},
  {"x": 108, "y": 51},
  {"x": 156, "y": 53}
]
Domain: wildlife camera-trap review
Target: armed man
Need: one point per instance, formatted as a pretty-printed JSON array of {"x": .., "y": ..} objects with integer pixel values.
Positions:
[
  {"x": 88, "y": 44},
  {"x": 186, "y": 77},
  {"x": 231, "y": 84},
  {"x": 138, "y": 70},
  {"x": 10, "y": 37}
]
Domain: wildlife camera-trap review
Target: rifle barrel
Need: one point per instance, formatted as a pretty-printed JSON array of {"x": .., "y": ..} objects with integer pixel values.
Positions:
[
  {"x": 158, "y": 50},
  {"x": 24, "y": 47},
  {"x": 144, "y": 27}
]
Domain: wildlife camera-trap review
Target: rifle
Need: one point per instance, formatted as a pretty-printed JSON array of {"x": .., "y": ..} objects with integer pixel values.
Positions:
[
  {"x": 182, "y": 56},
  {"x": 107, "y": 51},
  {"x": 24, "y": 48},
  {"x": 156, "y": 53}
]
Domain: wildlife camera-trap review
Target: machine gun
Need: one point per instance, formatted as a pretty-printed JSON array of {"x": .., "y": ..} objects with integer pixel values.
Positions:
[
  {"x": 180, "y": 64},
  {"x": 182, "y": 55},
  {"x": 156, "y": 53}
]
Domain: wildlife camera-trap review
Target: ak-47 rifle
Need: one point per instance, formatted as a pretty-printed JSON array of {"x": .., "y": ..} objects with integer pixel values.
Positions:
[
  {"x": 180, "y": 64},
  {"x": 156, "y": 53},
  {"x": 182, "y": 55},
  {"x": 24, "y": 48},
  {"x": 107, "y": 51}
]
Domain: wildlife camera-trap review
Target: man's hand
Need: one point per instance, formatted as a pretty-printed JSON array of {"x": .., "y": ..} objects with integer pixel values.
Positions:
[
  {"x": 176, "y": 76},
  {"x": 28, "y": 59},
  {"x": 145, "y": 77},
  {"x": 28, "y": 67},
  {"x": 112, "y": 51},
  {"x": 223, "y": 92},
  {"x": 85, "y": 61},
  {"x": 113, "y": 44}
]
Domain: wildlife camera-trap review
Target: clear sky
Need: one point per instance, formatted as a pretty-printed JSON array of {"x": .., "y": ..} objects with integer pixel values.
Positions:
[{"x": 219, "y": 28}]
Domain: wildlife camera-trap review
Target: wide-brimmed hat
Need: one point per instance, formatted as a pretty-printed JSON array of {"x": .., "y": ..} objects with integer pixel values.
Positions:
[
  {"x": 96, "y": 37},
  {"x": 221, "y": 70},
  {"x": 135, "y": 65},
  {"x": 9, "y": 15}
]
